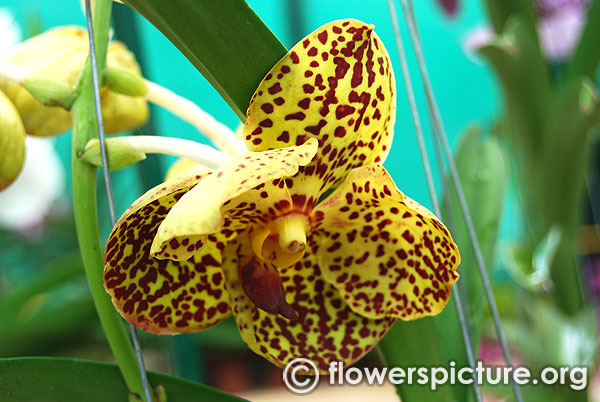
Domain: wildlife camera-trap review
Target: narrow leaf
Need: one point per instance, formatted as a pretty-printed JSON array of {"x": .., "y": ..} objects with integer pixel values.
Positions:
[
  {"x": 416, "y": 344},
  {"x": 587, "y": 55},
  {"x": 225, "y": 40},
  {"x": 72, "y": 380}
]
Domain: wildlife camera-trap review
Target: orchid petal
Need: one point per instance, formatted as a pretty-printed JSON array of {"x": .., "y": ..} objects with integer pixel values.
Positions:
[
  {"x": 326, "y": 329},
  {"x": 201, "y": 211},
  {"x": 336, "y": 85},
  {"x": 387, "y": 255},
  {"x": 163, "y": 296}
]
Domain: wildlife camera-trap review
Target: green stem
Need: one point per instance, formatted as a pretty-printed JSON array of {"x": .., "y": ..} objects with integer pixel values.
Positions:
[{"x": 85, "y": 208}]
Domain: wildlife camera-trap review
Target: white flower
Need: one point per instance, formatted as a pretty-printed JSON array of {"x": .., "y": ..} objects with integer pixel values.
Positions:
[
  {"x": 10, "y": 31},
  {"x": 29, "y": 199}
]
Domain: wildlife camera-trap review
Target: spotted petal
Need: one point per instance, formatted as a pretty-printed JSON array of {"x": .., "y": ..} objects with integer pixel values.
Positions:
[
  {"x": 201, "y": 211},
  {"x": 326, "y": 329},
  {"x": 387, "y": 255},
  {"x": 336, "y": 85},
  {"x": 163, "y": 296}
]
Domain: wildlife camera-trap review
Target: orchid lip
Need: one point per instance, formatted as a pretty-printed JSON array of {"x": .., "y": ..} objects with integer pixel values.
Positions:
[{"x": 263, "y": 285}]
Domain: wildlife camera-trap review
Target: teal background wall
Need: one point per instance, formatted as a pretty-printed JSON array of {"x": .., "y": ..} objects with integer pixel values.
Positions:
[{"x": 466, "y": 90}]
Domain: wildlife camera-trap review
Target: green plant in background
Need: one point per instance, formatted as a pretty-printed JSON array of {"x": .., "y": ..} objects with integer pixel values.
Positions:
[
  {"x": 551, "y": 108},
  {"x": 547, "y": 127}
]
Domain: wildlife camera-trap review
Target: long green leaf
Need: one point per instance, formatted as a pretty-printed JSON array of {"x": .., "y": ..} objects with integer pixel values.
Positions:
[
  {"x": 587, "y": 55},
  {"x": 500, "y": 11},
  {"x": 225, "y": 40},
  {"x": 416, "y": 344},
  {"x": 559, "y": 195},
  {"x": 483, "y": 170},
  {"x": 70, "y": 380},
  {"x": 524, "y": 77}
]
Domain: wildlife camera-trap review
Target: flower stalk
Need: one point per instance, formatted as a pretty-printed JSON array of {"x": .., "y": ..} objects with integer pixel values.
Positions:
[
  {"x": 124, "y": 151},
  {"x": 85, "y": 208},
  {"x": 222, "y": 136}
]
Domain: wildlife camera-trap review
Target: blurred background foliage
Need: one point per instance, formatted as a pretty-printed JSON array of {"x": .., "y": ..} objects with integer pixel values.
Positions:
[{"x": 523, "y": 119}]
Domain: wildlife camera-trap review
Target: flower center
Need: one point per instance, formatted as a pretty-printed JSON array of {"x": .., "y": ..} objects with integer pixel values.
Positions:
[
  {"x": 279, "y": 244},
  {"x": 282, "y": 241}
]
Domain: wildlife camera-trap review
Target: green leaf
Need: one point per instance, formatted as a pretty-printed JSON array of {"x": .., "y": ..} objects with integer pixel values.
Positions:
[
  {"x": 559, "y": 181},
  {"x": 587, "y": 56},
  {"x": 500, "y": 11},
  {"x": 521, "y": 68},
  {"x": 225, "y": 40},
  {"x": 70, "y": 380},
  {"x": 416, "y": 344},
  {"x": 38, "y": 316},
  {"x": 482, "y": 168},
  {"x": 560, "y": 341}
]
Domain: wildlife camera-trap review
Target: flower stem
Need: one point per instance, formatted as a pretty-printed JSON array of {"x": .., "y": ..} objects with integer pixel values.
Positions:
[
  {"x": 203, "y": 154},
  {"x": 217, "y": 132},
  {"x": 85, "y": 208}
]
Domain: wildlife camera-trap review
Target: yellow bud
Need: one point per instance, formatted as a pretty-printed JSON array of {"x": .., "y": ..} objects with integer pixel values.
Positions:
[
  {"x": 122, "y": 112},
  {"x": 59, "y": 54},
  {"x": 12, "y": 142}
]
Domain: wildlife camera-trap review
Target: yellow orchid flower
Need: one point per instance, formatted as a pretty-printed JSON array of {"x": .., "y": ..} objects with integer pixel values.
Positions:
[
  {"x": 60, "y": 54},
  {"x": 303, "y": 276}
]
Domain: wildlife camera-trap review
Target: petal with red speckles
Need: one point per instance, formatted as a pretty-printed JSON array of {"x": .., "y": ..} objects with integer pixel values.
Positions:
[
  {"x": 163, "y": 296},
  {"x": 387, "y": 255},
  {"x": 326, "y": 329},
  {"x": 336, "y": 85},
  {"x": 233, "y": 188}
]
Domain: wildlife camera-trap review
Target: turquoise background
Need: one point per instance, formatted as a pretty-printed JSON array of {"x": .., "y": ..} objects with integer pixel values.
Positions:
[{"x": 466, "y": 90}]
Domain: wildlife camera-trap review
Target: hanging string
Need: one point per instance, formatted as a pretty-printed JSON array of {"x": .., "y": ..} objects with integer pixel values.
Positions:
[
  {"x": 435, "y": 115},
  {"x": 107, "y": 182},
  {"x": 456, "y": 296}
]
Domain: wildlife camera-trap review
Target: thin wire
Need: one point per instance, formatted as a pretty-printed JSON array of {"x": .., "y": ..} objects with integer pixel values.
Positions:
[
  {"x": 456, "y": 296},
  {"x": 413, "y": 107},
  {"x": 434, "y": 110},
  {"x": 107, "y": 182}
]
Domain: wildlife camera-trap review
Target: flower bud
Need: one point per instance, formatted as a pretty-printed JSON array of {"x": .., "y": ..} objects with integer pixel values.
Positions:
[
  {"x": 120, "y": 154},
  {"x": 59, "y": 55},
  {"x": 12, "y": 142},
  {"x": 122, "y": 112},
  {"x": 124, "y": 81}
]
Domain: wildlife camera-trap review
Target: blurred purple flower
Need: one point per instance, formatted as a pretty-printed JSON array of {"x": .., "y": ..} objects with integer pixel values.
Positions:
[
  {"x": 559, "y": 25},
  {"x": 591, "y": 273},
  {"x": 450, "y": 7}
]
